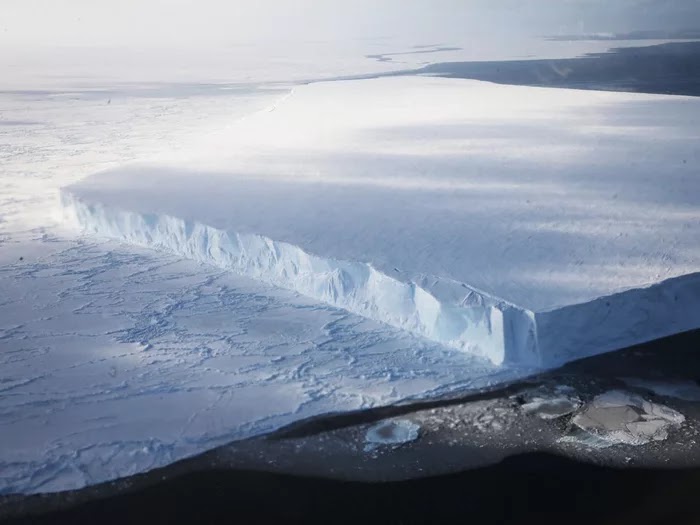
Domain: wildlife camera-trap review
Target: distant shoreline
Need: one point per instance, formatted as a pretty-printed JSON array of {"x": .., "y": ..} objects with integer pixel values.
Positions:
[
  {"x": 685, "y": 34},
  {"x": 668, "y": 69},
  {"x": 671, "y": 68}
]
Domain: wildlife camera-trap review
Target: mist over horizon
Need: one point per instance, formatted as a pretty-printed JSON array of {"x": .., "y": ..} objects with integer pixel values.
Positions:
[{"x": 190, "y": 24}]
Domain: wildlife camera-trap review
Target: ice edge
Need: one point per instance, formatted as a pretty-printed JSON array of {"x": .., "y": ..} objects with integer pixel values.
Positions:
[{"x": 486, "y": 326}]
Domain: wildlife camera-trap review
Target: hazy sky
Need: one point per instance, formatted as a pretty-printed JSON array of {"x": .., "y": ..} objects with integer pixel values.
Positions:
[{"x": 205, "y": 23}]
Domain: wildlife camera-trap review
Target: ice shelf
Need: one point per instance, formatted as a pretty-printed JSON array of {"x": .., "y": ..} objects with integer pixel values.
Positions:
[{"x": 526, "y": 225}]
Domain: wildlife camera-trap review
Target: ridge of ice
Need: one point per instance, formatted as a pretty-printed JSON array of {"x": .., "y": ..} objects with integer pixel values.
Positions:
[{"x": 483, "y": 326}]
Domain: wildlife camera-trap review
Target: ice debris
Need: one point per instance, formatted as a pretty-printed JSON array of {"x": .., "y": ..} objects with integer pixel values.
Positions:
[
  {"x": 623, "y": 418},
  {"x": 494, "y": 419},
  {"x": 548, "y": 403},
  {"x": 391, "y": 433}
]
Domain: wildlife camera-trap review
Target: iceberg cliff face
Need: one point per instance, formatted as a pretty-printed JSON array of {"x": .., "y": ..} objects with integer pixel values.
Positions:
[
  {"x": 530, "y": 226},
  {"x": 620, "y": 320},
  {"x": 484, "y": 327},
  {"x": 481, "y": 325}
]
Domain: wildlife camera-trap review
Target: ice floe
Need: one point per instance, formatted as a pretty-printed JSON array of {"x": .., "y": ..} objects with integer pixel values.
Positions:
[
  {"x": 622, "y": 418},
  {"x": 521, "y": 224},
  {"x": 391, "y": 433}
]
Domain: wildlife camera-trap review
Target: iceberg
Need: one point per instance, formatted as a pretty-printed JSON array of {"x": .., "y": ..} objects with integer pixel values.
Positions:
[{"x": 526, "y": 225}]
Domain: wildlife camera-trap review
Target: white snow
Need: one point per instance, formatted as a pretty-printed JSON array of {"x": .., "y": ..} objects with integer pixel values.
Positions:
[
  {"x": 115, "y": 360},
  {"x": 521, "y": 224}
]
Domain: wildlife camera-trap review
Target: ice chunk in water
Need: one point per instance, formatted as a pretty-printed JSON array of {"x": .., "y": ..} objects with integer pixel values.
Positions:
[
  {"x": 391, "y": 433},
  {"x": 619, "y": 417}
]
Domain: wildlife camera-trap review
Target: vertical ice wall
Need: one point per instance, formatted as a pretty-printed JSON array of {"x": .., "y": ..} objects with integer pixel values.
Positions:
[{"x": 484, "y": 326}]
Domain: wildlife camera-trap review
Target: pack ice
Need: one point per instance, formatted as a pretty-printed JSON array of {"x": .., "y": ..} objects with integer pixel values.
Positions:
[{"x": 526, "y": 225}]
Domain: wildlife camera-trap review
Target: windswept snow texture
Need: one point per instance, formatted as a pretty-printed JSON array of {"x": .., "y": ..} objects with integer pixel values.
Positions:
[{"x": 525, "y": 225}]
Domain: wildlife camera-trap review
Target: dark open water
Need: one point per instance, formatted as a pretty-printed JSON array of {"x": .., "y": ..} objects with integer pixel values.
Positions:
[{"x": 533, "y": 488}]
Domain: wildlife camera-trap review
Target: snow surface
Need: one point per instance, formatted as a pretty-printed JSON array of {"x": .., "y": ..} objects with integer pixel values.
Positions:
[
  {"x": 521, "y": 224},
  {"x": 115, "y": 360}
]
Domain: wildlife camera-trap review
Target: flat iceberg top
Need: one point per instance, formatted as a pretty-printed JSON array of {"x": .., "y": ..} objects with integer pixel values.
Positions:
[{"x": 539, "y": 197}]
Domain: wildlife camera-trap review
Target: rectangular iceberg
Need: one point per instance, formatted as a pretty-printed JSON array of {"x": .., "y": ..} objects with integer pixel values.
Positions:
[{"x": 527, "y": 225}]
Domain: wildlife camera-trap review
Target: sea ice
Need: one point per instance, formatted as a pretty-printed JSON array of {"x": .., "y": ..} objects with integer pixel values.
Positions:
[
  {"x": 618, "y": 417},
  {"x": 548, "y": 403},
  {"x": 115, "y": 360},
  {"x": 391, "y": 433}
]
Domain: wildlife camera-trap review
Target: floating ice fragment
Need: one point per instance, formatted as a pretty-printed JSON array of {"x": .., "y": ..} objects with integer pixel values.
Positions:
[
  {"x": 549, "y": 403},
  {"x": 494, "y": 419},
  {"x": 552, "y": 408},
  {"x": 581, "y": 437},
  {"x": 619, "y": 417},
  {"x": 391, "y": 433}
]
